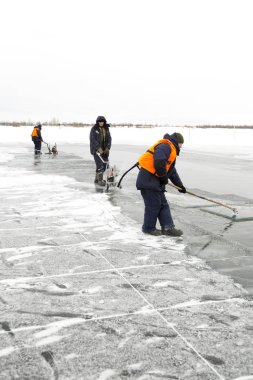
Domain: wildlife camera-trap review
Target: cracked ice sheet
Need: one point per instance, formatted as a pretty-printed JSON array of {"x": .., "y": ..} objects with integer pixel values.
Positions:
[
  {"x": 57, "y": 263},
  {"x": 40, "y": 238},
  {"x": 144, "y": 254},
  {"x": 94, "y": 295},
  {"x": 134, "y": 346},
  {"x": 174, "y": 284},
  {"x": 221, "y": 331}
]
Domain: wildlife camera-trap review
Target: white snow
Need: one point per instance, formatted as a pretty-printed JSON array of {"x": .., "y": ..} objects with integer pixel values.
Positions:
[
  {"x": 123, "y": 342},
  {"x": 5, "y": 157},
  {"x": 19, "y": 257},
  {"x": 154, "y": 340},
  {"x": 237, "y": 141},
  {"x": 22, "y": 179},
  {"x": 53, "y": 328},
  {"x": 95, "y": 289},
  {"x": 106, "y": 374},
  {"x": 135, "y": 366},
  {"x": 50, "y": 340},
  {"x": 7, "y": 351},
  {"x": 164, "y": 284}
]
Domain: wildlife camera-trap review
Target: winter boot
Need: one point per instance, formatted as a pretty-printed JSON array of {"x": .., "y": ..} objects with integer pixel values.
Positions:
[
  {"x": 37, "y": 152},
  {"x": 96, "y": 178},
  {"x": 101, "y": 181},
  {"x": 172, "y": 232},
  {"x": 154, "y": 233}
]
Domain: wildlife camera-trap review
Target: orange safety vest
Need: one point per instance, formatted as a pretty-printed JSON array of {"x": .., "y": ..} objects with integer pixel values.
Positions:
[
  {"x": 146, "y": 161},
  {"x": 35, "y": 132}
]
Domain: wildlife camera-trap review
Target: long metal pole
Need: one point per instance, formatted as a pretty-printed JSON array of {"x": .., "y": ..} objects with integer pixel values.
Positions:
[{"x": 205, "y": 198}]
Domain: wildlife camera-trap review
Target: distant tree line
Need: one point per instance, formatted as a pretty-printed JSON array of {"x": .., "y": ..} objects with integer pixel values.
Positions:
[{"x": 127, "y": 125}]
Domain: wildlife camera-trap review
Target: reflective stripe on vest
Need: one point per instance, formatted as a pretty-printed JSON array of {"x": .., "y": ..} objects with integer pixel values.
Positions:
[
  {"x": 146, "y": 161},
  {"x": 35, "y": 132}
]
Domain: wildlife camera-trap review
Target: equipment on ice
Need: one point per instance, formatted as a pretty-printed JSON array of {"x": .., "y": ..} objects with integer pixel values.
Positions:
[
  {"x": 111, "y": 174},
  {"x": 123, "y": 175},
  {"x": 52, "y": 150}
]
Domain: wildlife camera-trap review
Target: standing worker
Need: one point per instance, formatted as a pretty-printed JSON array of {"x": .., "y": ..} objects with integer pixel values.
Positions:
[
  {"x": 100, "y": 145},
  {"x": 157, "y": 165},
  {"x": 37, "y": 138}
]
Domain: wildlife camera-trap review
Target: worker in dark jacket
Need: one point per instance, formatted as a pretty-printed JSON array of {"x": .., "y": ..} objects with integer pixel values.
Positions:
[
  {"x": 157, "y": 166},
  {"x": 37, "y": 138},
  {"x": 100, "y": 145}
]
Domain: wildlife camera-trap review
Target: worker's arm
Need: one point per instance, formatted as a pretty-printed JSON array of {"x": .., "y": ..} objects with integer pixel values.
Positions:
[{"x": 161, "y": 156}]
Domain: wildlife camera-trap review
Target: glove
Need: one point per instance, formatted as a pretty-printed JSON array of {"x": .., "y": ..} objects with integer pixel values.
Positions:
[
  {"x": 163, "y": 180},
  {"x": 182, "y": 190},
  {"x": 100, "y": 151},
  {"x": 106, "y": 151}
]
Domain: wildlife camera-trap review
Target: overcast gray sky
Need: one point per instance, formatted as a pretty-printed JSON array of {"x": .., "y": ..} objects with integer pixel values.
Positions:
[{"x": 160, "y": 61}]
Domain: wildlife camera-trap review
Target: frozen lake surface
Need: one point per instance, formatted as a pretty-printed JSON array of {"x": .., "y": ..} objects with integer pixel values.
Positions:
[{"x": 85, "y": 295}]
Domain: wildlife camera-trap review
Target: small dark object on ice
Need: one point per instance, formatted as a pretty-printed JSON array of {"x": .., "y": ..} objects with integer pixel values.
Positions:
[{"x": 54, "y": 149}]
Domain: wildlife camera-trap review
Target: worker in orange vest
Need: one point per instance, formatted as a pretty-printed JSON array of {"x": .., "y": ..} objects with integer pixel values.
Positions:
[
  {"x": 37, "y": 138},
  {"x": 157, "y": 166}
]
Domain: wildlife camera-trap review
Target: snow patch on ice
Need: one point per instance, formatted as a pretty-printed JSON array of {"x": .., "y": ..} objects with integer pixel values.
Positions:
[
  {"x": 154, "y": 340},
  {"x": 7, "y": 351},
  {"x": 19, "y": 257},
  {"x": 106, "y": 374},
  {"x": 21, "y": 250},
  {"x": 135, "y": 366},
  {"x": 50, "y": 340},
  {"x": 5, "y": 157},
  {"x": 204, "y": 326},
  {"x": 141, "y": 258},
  {"x": 163, "y": 284},
  {"x": 124, "y": 342},
  {"x": 21, "y": 179},
  {"x": 94, "y": 290},
  {"x": 146, "y": 309},
  {"x": 46, "y": 333},
  {"x": 71, "y": 356},
  {"x": 54, "y": 327},
  {"x": 186, "y": 304}
]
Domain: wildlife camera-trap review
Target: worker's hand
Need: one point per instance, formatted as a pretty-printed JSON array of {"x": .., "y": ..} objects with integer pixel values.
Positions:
[
  {"x": 106, "y": 151},
  {"x": 163, "y": 180},
  {"x": 100, "y": 151},
  {"x": 182, "y": 189}
]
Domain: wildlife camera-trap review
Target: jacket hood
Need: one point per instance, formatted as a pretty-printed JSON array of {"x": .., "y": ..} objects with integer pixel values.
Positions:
[
  {"x": 101, "y": 118},
  {"x": 173, "y": 139}
]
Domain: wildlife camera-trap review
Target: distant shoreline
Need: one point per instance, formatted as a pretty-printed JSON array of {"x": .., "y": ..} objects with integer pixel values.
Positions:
[{"x": 125, "y": 125}]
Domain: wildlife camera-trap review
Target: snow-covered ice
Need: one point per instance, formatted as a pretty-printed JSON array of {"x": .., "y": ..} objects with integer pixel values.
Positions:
[{"x": 80, "y": 282}]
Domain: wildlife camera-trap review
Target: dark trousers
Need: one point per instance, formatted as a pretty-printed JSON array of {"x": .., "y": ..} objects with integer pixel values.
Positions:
[
  {"x": 100, "y": 165},
  {"x": 37, "y": 145},
  {"x": 156, "y": 207}
]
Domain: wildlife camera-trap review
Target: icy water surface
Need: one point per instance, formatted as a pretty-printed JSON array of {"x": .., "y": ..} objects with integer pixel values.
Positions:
[{"x": 85, "y": 295}]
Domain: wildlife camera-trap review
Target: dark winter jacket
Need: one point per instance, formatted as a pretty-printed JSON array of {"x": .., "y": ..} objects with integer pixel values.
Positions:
[
  {"x": 36, "y": 134},
  {"x": 149, "y": 181},
  {"x": 98, "y": 139}
]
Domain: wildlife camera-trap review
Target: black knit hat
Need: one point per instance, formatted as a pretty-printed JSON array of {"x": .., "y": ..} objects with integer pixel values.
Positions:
[{"x": 179, "y": 137}]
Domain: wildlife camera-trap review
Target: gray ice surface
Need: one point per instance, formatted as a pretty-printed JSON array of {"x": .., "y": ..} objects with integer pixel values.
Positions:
[{"x": 85, "y": 295}]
